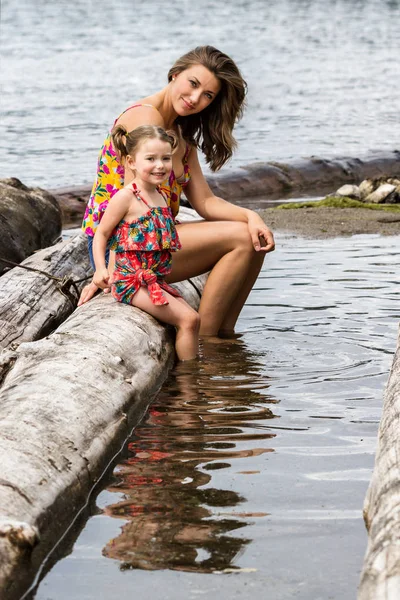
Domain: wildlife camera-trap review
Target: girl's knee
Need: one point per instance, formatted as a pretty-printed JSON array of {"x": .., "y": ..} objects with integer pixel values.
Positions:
[{"x": 191, "y": 321}]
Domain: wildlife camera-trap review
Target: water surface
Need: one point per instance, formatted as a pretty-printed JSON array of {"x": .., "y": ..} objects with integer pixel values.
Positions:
[
  {"x": 322, "y": 76},
  {"x": 248, "y": 475}
]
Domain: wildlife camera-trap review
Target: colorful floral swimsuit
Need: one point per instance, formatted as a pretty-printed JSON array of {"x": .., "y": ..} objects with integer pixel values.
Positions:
[
  {"x": 110, "y": 179},
  {"x": 143, "y": 252}
]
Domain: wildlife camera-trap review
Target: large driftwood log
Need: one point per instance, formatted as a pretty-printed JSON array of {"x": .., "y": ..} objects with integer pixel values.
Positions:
[
  {"x": 33, "y": 304},
  {"x": 264, "y": 180},
  {"x": 380, "y": 578},
  {"x": 310, "y": 174},
  {"x": 30, "y": 219},
  {"x": 66, "y": 403}
]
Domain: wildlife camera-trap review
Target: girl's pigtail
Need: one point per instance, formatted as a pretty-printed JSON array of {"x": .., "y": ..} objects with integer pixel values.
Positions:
[{"x": 117, "y": 138}]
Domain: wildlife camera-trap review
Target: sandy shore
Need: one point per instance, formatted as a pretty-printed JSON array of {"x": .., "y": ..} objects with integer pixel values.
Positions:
[{"x": 322, "y": 223}]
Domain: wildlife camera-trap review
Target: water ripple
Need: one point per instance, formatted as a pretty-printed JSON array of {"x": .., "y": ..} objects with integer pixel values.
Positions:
[
  {"x": 263, "y": 447},
  {"x": 57, "y": 71}
]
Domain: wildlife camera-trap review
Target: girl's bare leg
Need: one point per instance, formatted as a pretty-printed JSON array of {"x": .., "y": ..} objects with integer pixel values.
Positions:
[
  {"x": 226, "y": 249},
  {"x": 177, "y": 313}
]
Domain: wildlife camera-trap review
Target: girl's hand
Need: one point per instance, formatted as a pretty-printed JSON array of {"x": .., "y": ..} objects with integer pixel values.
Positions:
[
  {"x": 87, "y": 293},
  {"x": 101, "y": 278},
  {"x": 261, "y": 235}
]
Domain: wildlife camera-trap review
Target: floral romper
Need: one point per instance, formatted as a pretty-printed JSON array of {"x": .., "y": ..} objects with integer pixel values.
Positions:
[{"x": 143, "y": 253}]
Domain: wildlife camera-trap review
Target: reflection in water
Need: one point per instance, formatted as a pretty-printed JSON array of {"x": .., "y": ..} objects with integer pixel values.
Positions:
[
  {"x": 198, "y": 476},
  {"x": 207, "y": 413}
]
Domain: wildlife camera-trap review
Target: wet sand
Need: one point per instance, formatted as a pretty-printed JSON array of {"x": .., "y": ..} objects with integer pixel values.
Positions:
[{"x": 323, "y": 223}]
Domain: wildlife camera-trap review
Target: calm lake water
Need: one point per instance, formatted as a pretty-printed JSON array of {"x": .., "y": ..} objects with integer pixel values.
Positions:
[
  {"x": 247, "y": 476},
  {"x": 323, "y": 76}
]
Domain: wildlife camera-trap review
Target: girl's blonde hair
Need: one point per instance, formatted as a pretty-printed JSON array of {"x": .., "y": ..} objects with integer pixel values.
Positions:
[
  {"x": 137, "y": 136},
  {"x": 211, "y": 129}
]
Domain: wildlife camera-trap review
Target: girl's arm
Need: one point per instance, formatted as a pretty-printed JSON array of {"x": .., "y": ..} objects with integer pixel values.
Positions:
[
  {"x": 213, "y": 208},
  {"x": 116, "y": 209}
]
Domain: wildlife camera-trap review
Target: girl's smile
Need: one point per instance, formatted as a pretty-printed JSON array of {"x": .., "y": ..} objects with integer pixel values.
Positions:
[{"x": 152, "y": 162}]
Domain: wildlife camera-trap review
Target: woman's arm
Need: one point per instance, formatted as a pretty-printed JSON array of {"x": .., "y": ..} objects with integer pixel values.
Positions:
[
  {"x": 213, "y": 208},
  {"x": 115, "y": 211}
]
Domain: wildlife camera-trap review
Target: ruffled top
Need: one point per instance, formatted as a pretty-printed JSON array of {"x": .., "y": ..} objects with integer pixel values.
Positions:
[
  {"x": 110, "y": 179},
  {"x": 153, "y": 231}
]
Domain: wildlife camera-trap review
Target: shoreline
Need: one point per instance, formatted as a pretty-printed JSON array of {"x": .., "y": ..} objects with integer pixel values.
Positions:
[
  {"x": 324, "y": 222},
  {"x": 255, "y": 185}
]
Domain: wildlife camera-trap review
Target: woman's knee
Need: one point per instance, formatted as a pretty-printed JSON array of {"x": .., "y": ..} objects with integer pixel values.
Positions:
[{"x": 242, "y": 239}]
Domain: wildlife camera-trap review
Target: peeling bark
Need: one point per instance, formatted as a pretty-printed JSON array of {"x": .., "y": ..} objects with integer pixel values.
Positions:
[{"x": 32, "y": 304}]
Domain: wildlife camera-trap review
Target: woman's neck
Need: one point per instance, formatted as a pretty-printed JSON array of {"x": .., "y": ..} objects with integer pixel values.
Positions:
[{"x": 164, "y": 106}]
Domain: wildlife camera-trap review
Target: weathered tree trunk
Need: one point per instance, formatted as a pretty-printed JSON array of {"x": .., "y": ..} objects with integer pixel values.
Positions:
[
  {"x": 30, "y": 219},
  {"x": 310, "y": 174},
  {"x": 32, "y": 304},
  {"x": 67, "y": 402},
  {"x": 264, "y": 180},
  {"x": 380, "y": 578}
]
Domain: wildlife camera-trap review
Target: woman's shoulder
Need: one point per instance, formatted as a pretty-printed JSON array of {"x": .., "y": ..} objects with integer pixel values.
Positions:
[{"x": 143, "y": 112}]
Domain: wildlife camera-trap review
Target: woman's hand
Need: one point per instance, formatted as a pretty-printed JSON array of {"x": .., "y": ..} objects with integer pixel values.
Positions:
[
  {"x": 261, "y": 235},
  {"x": 101, "y": 278}
]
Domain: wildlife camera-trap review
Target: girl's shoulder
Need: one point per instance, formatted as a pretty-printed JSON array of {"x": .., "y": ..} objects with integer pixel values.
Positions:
[{"x": 123, "y": 196}]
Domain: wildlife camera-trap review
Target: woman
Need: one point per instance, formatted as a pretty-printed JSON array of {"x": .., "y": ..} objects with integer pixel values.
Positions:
[{"x": 201, "y": 103}]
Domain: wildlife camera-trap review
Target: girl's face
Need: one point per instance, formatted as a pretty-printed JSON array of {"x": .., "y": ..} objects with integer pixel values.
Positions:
[
  {"x": 152, "y": 161},
  {"x": 193, "y": 90}
]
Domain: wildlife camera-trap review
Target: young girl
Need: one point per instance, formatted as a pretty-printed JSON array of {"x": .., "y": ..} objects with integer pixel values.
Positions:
[{"x": 141, "y": 227}]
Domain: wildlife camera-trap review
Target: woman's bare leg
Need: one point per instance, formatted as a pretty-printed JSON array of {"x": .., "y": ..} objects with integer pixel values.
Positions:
[
  {"x": 226, "y": 249},
  {"x": 227, "y": 326}
]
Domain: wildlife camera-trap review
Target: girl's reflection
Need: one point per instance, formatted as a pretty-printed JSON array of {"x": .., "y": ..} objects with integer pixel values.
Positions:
[{"x": 204, "y": 410}]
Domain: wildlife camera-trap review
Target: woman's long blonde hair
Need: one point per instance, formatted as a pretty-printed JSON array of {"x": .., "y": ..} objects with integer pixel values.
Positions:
[{"x": 211, "y": 129}]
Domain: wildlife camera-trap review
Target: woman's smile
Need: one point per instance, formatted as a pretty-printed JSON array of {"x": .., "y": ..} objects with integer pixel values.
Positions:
[{"x": 188, "y": 105}]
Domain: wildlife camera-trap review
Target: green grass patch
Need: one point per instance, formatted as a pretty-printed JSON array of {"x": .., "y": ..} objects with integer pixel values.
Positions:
[{"x": 340, "y": 202}]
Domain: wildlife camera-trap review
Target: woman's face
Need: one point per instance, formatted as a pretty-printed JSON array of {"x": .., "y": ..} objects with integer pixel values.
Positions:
[{"x": 193, "y": 90}]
